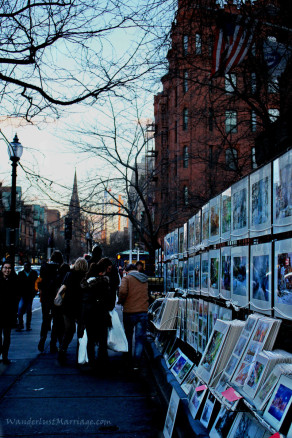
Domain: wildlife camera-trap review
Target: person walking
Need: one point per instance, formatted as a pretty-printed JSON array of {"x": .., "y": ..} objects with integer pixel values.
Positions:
[
  {"x": 98, "y": 299},
  {"x": 26, "y": 280},
  {"x": 133, "y": 296},
  {"x": 8, "y": 307},
  {"x": 71, "y": 306},
  {"x": 52, "y": 274},
  {"x": 96, "y": 255}
]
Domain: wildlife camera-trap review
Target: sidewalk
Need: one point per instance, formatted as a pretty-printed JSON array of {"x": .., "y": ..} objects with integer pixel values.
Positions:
[{"x": 39, "y": 397}]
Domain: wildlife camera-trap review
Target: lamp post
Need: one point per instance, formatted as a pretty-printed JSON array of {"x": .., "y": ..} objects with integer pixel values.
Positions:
[{"x": 15, "y": 150}]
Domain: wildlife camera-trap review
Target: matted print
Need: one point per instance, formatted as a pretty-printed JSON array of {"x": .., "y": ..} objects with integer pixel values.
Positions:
[
  {"x": 261, "y": 278},
  {"x": 260, "y": 202},
  {"x": 175, "y": 273},
  {"x": 214, "y": 272},
  {"x": 213, "y": 315},
  {"x": 205, "y": 273},
  {"x": 180, "y": 274},
  {"x": 180, "y": 241},
  {"x": 214, "y": 232},
  {"x": 246, "y": 426},
  {"x": 185, "y": 275},
  {"x": 239, "y": 276},
  {"x": 225, "y": 214},
  {"x": 207, "y": 410},
  {"x": 191, "y": 236},
  {"x": 283, "y": 279},
  {"x": 197, "y": 273},
  {"x": 279, "y": 403},
  {"x": 225, "y": 273},
  {"x": 175, "y": 243},
  {"x": 198, "y": 228},
  {"x": 239, "y": 210},
  {"x": 205, "y": 224},
  {"x": 282, "y": 193},
  {"x": 223, "y": 423},
  {"x": 187, "y": 384},
  {"x": 171, "y": 414},
  {"x": 182, "y": 367},
  {"x": 196, "y": 398},
  {"x": 191, "y": 274},
  {"x": 167, "y": 247},
  {"x": 185, "y": 239}
]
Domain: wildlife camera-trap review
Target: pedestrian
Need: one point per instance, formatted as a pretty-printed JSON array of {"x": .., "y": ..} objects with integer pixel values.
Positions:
[
  {"x": 96, "y": 255},
  {"x": 26, "y": 280},
  {"x": 52, "y": 274},
  {"x": 72, "y": 301},
  {"x": 133, "y": 296},
  {"x": 8, "y": 307},
  {"x": 139, "y": 266},
  {"x": 97, "y": 301}
]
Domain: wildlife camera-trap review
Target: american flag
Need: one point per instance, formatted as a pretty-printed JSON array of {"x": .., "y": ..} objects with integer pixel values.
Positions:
[{"x": 234, "y": 37}]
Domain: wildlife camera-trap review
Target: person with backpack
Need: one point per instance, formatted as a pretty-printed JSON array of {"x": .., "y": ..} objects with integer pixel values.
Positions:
[{"x": 52, "y": 274}]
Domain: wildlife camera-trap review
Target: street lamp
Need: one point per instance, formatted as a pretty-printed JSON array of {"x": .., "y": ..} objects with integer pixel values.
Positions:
[{"x": 15, "y": 150}]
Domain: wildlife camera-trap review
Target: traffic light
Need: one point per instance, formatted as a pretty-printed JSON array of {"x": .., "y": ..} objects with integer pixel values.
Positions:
[{"x": 68, "y": 228}]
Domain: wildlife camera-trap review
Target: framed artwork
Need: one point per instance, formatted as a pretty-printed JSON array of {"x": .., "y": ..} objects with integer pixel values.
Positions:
[
  {"x": 175, "y": 273},
  {"x": 279, "y": 403},
  {"x": 223, "y": 423},
  {"x": 214, "y": 231},
  {"x": 180, "y": 274},
  {"x": 196, "y": 398},
  {"x": 205, "y": 273},
  {"x": 180, "y": 241},
  {"x": 239, "y": 276},
  {"x": 198, "y": 228},
  {"x": 283, "y": 279},
  {"x": 182, "y": 367},
  {"x": 205, "y": 224},
  {"x": 185, "y": 239},
  {"x": 191, "y": 274},
  {"x": 191, "y": 236},
  {"x": 225, "y": 273},
  {"x": 260, "y": 201},
  {"x": 239, "y": 210},
  {"x": 171, "y": 414},
  {"x": 246, "y": 426},
  {"x": 213, "y": 314},
  {"x": 282, "y": 193},
  {"x": 187, "y": 384},
  {"x": 175, "y": 243},
  {"x": 197, "y": 274},
  {"x": 261, "y": 278},
  {"x": 171, "y": 360},
  {"x": 214, "y": 272},
  {"x": 225, "y": 223},
  {"x": 202, "y": 325},
  {"x": 167, "y": 247},
  {"x": 185, "y": 275},
  {"x": 207, "y": 410}
]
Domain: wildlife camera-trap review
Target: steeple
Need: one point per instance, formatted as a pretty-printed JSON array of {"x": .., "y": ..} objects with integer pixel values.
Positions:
[{"x": 74, "y": 203}]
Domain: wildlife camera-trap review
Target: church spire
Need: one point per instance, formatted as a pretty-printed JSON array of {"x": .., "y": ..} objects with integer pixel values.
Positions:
[{"x": 74, "y": 203}]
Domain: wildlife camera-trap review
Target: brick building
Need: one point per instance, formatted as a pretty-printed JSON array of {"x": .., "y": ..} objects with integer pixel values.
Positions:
[{"x": 206, "y": 126}]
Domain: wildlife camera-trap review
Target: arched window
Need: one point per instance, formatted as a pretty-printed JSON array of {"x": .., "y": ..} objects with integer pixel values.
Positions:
[{"x": 185, "y": 157}]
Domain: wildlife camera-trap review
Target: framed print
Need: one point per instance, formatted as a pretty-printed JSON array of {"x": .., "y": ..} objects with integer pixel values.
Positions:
[
  {"x": 205, "y": 225},
  {"x": 198, "y": 228},
  {"x": 239, "y": 210},
  {"x": 167, "y": 247},
  {"x": 191, "y": 235},
  {"x": 185, "y": 276},
  {"x": 180, "y": 274},
  {"x": 246, "y": 426},
  {"x": 214, "y": 272},
  {"x": 185, "y": 239},
  {"x": 214, "y": 231},
  {"x": 225, "y": 273},
  {"x": 182, "y": 367},
  {"x": 239, "y": 276},
  {"x": 191, "y": 275},
  {"x": 261, "y": 278},
  {"x": 260, "y": 201},
  {"x": 196, "y": 398},
  {"x": 172, "y": 359},
  {"x": 171, "y": 414},
  {"x": 175, "y": 273},
  {"x": 279, "y": 403},
  {"x": 223, "y": 423},
  {"x": 175, "y": 243},
  {"x": 282, "y": 193},
  {"x": 283, "y": 279},
  {"x": 205, "y": 273},
  {"x": 213, "y": 314},
  {"x": 187, "y": 384},
  {"x": 225, "y": 223},
  {"x": 207, "y": 410},
  {"x": 180, "y": 242},
  {"x": 197, "y": 274}
]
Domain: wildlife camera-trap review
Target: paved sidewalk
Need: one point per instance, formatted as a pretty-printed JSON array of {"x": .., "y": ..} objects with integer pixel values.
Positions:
[{"x": 39, "y": 397}]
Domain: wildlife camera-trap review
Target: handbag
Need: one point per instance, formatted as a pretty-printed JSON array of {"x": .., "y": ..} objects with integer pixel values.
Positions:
[
  {"x": 82, "y": 349},
  {"x": 116, "y": 339},
  {"x": 58, "y": 300}
]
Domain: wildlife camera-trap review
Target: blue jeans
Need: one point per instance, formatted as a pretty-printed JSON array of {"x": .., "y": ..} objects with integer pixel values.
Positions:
[{"x": 137, "y": 322}]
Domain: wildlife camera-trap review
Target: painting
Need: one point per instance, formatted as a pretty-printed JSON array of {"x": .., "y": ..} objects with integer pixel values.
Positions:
[
  {"x": 282, "y": 191},
  {"x": 198, "y": 228},
  {"x": 222, "y": 423},
  {"x": 279, "y": 403},
  {"x": 225, "y": 277},
  {"x": 205, "y": 224},
  {"x": 214, "y": 259},
  {"x": 213, "y": 348},
  {"x": 205, "y": 272},
  {"x": 261, "y": 278},
  {"x": 246, "y": 426},
  {"x": 226, "y": 214},
  {"x": 239, "y": 209},
  {"x": 171, "y": 414},
  {"x": 197, "y": 272},
  {"x": 215, "y": 220},
  {"x": 191, "y": 236},
  {"x": 283, "y": 278}
]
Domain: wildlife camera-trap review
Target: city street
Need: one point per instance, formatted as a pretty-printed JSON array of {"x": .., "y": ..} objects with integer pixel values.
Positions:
[{"x": 39, "y": 397}]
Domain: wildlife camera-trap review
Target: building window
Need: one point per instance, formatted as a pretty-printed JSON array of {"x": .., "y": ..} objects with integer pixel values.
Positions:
[
  {"x": 231, "y": 158},
  {"x": 253, "y": 120},
  {"x": 230, "y": 82},
  {"x": 185, "y": 157},
  {"x": 185, "y": 44},
  {"x": 198, "y": 44},
  {"x": 253, "y": 158},
  {"x": 274, "y": 114},
  {"x": 230, "y": 121},
  {"x": 185, "y": 119},
  {"x": 211, "y": 119},
  {"x": 273, "y": 85},
  {"x": 253, "y": 83},
  {"x": 185, "y": 81},
  {"x": 186, "y": 195}
]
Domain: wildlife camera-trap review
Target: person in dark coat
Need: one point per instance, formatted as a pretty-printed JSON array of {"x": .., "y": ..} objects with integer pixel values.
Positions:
[
  {"x": 96, "y": 255},
  {"x": 52, "y": 275},
  {"x": 26, "y": 279},
  {"x": 72, "y": 301},
  {"x": 8, "y": 307},
  {"x": 98, "y": 299}
]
